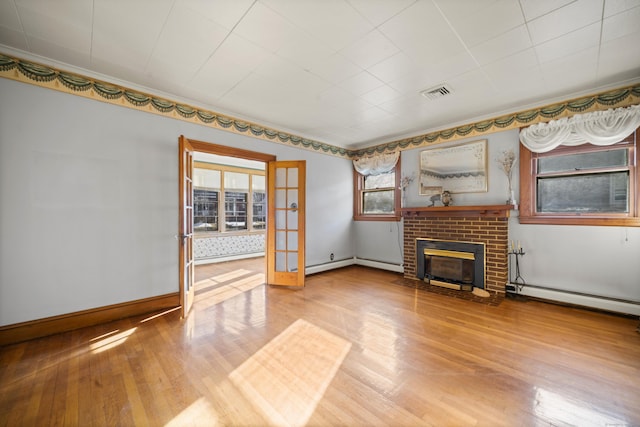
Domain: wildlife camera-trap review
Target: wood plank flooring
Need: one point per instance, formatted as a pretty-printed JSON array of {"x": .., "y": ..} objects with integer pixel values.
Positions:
[{"x": 350, "y": 349}]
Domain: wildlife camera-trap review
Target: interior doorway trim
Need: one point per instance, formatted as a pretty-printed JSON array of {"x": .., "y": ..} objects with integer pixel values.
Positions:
[
  {"x": 223, "y": 150},
  {"x": 186, "y": 281}
]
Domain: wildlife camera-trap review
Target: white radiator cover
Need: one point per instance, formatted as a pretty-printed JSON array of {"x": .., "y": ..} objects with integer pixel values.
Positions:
[{"x": 618, "y": 306}]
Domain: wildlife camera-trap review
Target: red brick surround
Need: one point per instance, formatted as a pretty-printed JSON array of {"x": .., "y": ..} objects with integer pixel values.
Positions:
[{"x": 492, "y": 230}]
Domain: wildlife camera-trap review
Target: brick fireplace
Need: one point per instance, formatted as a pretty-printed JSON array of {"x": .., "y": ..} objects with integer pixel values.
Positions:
[{"x": 482, "y": 224}]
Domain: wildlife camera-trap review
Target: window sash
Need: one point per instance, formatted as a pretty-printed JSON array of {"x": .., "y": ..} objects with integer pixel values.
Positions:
[
  {"x": 362, "y": 209},
  {"x": 621, "y": 213}
]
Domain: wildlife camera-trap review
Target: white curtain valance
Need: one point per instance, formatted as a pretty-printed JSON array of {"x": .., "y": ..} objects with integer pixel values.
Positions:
[
  {"x": 377, "y": 164},
  {"x": 598, "y": 128}
]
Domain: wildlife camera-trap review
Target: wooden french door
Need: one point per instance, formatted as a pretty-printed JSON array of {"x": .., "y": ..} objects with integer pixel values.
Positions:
[
  {"x": 187, "y": 290},
  {"x": 286, "y": 223}
]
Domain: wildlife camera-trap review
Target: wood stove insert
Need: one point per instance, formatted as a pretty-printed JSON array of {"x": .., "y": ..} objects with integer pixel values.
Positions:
[{"x": 451, "y": 264}]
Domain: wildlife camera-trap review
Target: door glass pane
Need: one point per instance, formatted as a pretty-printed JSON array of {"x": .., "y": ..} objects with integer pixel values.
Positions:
[
  {"x": 281, "y": 261},
  {"x": 281, "y": 243},
  {"x": 281, "y": 198},
  {"x": 281, "y": 223},
  {"x": 292, "y": 180},
  {"x": 292, "y": 261},
  {"x": 281, "y": 177},
  {"x": 292, "y": 220},
  {"x": 292, "y": 197},
  {"x": 292, "y": 240}
]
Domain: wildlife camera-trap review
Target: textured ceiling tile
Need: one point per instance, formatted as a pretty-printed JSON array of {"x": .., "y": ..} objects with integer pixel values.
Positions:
[
  {"x": 369, "y": 50},
  {"x": 497, "y": 18},
  {"x": 564, "y": 20},
  {"x": 126, "y": 32},
  {"x": 502, "y": 46},
  {"x": 379, "y": 11},
  {"x": 535, "y": 8},
  {"x": 621, "y": 25},
  {"x": 570, "y": 43},
  {"x": 334, "y": 22}
]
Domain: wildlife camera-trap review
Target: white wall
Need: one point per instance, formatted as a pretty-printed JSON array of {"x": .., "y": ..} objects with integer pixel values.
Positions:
[
  {"x": 89, "y": 202},
  {"x": 601, "y": 261}
]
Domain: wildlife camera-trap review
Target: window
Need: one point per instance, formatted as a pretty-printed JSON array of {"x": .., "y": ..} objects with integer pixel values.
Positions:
[
  {"x": 223, "y": 200},
  {"x": 205, "y": 210},
  {"x": 259, "y": 202},
  {"x": 584, "y": 184},
  {"x": 377, "y": 197}
]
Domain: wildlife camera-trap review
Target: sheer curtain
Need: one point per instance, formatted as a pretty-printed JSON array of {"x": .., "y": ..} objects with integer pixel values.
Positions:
[
  {"x": 377, "y": 164},
  {"x": 598, "y": 128}
]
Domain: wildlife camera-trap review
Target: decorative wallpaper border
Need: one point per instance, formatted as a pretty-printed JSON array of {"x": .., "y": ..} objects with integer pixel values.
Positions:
[
  {"x": 45, "y": 76},
  {"x": 622, "y": 97}
]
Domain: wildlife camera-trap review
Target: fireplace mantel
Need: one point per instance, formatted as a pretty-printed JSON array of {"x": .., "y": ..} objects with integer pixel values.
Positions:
[{"x": 490, "y": 211}]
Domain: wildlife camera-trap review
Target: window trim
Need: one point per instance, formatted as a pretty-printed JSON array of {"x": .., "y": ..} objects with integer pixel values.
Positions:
[
  {"x": 528, "y": 214},
  {"x": 358, "y": 189}
]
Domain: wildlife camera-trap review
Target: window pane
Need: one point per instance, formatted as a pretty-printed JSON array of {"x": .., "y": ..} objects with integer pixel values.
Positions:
[
  {"x": 235, "y": 209},
  {"x": 584, "y": 161},
  {"x": 385, "y": 180},
  {"x": 259, "y": 211},
  {"x": 257, "y": 182},
  {"x": 378, "y": 202},
  {"x": 205, "y": 210},
  {"x": 236, "y": 181},
  {"x": 206, "y": 178},
  {"x": 592, "y": 193}
]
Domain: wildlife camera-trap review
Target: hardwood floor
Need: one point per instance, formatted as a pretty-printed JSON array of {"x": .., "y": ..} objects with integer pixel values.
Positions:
[{"x": 351, "y": 348}]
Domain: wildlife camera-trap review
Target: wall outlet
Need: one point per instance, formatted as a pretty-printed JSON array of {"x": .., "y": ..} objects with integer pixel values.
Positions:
[{"x": 331, "y": 256}]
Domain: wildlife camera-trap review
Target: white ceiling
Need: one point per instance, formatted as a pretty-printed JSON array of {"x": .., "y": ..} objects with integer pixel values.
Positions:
[{"x": 343, "y": 72}]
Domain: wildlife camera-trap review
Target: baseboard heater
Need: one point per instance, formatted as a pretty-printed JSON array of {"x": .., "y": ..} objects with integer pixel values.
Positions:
[
  {"x": 332, "y": 265},
  {"x": 576, "y": 298},
  {"x": 382, "y": 265}
]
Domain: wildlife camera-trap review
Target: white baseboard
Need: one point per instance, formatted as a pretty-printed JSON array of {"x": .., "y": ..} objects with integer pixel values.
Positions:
[
  {"x": 329, "y": 266},
  {"x": 320, "y": 267},
  {"x": 583, "y": 300},
  {"x": 398, "y": 268},
  {"x": 227, "y": 258}
]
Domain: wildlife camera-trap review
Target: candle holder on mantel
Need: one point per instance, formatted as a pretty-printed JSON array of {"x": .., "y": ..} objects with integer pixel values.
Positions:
[{"x": 518, "y": 279}]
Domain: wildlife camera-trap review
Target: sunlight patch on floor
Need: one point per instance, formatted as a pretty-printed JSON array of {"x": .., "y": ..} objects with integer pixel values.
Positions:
[
  {"x": 287, "y": 377},
  {"x": 111, "y": 341},
  {"x": 225, "y": 277},
  {"x": 217, "y": 294},
  {"x": 155, "y": 316},
  {"x": 199, "y": 413},
  {"x": 559, "y": 410}
]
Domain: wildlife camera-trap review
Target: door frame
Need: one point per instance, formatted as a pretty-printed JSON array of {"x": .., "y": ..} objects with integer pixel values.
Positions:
[{"x": 223, "y": 150}]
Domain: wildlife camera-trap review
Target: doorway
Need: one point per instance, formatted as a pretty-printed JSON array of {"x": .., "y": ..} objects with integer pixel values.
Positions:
[{"x": 285, "y": 189}]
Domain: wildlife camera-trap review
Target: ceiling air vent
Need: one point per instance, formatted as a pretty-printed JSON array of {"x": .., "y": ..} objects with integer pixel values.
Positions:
[{"x": 437, "y": 91}]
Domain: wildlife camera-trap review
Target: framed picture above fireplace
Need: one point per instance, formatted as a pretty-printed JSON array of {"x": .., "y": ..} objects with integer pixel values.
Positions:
[{"x": 458, "y": 169}]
